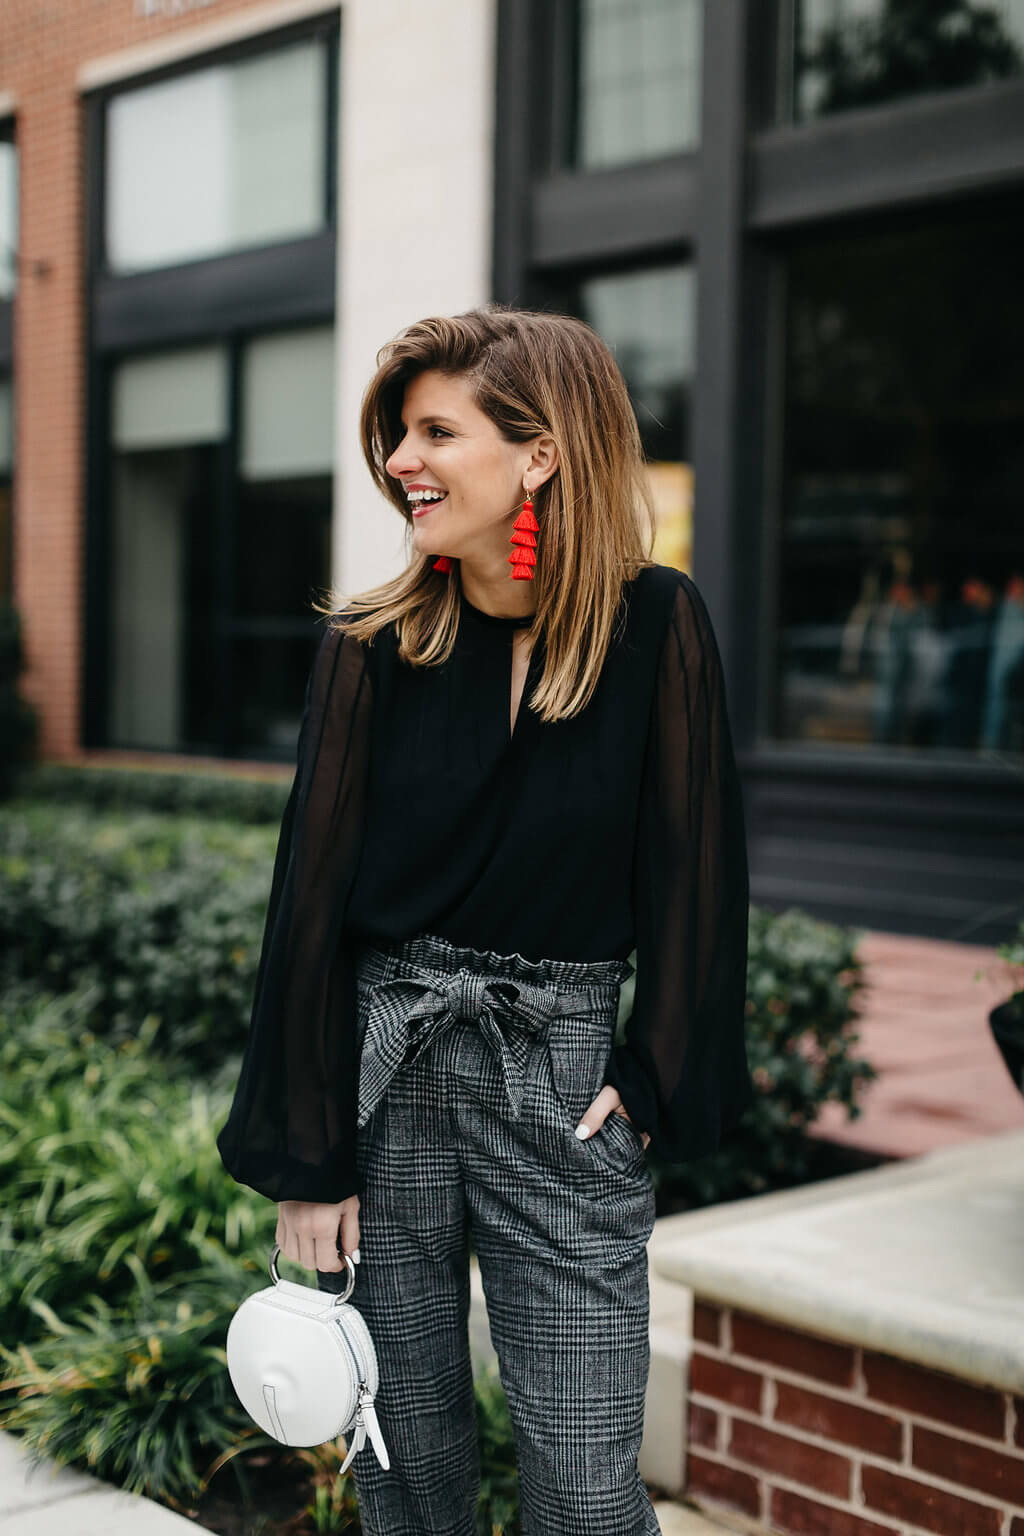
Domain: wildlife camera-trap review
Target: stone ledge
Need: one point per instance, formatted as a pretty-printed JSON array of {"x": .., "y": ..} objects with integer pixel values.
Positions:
[{"x": 922, "y": 1261}]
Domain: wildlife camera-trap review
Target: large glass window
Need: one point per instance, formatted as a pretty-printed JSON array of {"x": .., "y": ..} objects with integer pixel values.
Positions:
[
  {"x": 8, "y": 217},
  {"x": 220, "y": 534},
  {"x": 648, "y": 318},
  {"x": 283, "y": 548},
  {"x": 638, "y": 80},
  {"x": 857, "y": 53},
  {"x": 216, "y": 160},
  {"x": 169, "y": 416},
  {"x": 902, "y": 558}
]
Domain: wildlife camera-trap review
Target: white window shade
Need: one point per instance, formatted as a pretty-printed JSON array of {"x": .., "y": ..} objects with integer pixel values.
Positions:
[
  {"x": 171, "y": 400},
  {"x": 217, "y": 160},
  {"x": 288, "y": 405},
  {"x": 8, "y": 219}
]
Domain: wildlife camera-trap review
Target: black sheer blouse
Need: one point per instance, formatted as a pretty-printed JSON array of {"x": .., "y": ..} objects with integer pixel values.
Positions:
[{"x": 417, "y": 809}]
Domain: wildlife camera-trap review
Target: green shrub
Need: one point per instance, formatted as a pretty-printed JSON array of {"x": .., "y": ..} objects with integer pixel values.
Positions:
[
  {"x": 124, "y": 1250},
  {"x": 19, "y": 724},
  {"x": 803, "y": 979},
  {"x": 181, "y": 792},
  {"x": 155, "y": 915},
  {"x": 102, "y": 1156},
  {"x": 162, "y": 917}
]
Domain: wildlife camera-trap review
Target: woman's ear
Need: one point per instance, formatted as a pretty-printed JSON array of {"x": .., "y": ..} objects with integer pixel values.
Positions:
[{"x": 545, "y": 458}]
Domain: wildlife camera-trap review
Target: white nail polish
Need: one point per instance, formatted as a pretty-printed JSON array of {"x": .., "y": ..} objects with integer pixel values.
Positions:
[
  {"x": 355, "y": 1255},
  {"x": 582, "y": 1131}
]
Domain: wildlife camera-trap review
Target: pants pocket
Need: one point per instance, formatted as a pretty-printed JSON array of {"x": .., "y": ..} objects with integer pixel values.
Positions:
[{"x": 576, "y": 1068}]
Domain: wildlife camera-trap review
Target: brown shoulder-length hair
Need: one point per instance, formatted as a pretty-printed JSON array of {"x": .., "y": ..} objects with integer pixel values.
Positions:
[{"x": 531, "y": 372}]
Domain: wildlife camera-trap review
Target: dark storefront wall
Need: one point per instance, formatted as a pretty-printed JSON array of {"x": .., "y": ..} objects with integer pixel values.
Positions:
[
  {"x": 210, "y": 437},
  {"x": 836, "y": 226}
]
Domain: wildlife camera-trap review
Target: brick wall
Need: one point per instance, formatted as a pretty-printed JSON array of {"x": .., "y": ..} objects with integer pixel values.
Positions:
[{"x": 815, "y": 1438}]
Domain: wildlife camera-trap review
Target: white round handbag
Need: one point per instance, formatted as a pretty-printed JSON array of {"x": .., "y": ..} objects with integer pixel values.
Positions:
[{"x": 304, "y": 1366}]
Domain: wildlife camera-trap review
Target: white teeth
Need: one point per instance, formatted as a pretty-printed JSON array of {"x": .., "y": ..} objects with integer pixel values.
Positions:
[{"x": 426, "y": 495}]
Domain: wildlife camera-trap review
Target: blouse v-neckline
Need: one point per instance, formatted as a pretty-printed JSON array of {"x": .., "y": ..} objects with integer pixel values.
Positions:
[{"x": 507, "y": 624}]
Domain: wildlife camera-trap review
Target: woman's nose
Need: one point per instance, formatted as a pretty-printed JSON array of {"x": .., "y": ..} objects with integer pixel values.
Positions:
[{"x": 403, "y": 462}]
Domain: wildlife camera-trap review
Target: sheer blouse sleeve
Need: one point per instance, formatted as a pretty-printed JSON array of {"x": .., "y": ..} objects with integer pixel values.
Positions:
[
  {"x": 682, "y": 1070},
  {"x": 290, "y": 1132}
]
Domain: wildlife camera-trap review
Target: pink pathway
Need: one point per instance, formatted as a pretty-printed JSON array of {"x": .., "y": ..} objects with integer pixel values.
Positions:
[{"x": 924, "y": 1026}]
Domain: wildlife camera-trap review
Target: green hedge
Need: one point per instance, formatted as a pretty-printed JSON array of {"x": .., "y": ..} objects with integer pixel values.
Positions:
[
  {"x": 183, "y": 792},
  {"x": 162, "y": 918},
  {"x": 157, "y": 915}
]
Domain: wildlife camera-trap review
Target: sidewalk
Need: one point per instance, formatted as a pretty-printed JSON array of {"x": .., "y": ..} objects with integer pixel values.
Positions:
[
  {"x": 58, "y": 1501},
  {"x": 924, "y": 1027},
  {"x": 49, "y": 1501}
]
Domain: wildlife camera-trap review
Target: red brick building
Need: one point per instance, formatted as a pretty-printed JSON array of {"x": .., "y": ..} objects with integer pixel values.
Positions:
[{"x": 87, "y": 283}]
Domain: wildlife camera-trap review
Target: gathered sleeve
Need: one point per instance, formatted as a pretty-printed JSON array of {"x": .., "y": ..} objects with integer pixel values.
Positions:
[
  {"x": 291, "y": 1129},
  {"x": 681, "y": 1070}
]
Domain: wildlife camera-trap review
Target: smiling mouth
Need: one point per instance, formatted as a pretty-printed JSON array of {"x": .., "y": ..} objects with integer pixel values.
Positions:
[{"x": 422, "y": 508}]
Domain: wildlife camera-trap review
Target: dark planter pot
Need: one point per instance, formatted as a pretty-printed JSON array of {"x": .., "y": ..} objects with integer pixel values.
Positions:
[{"x": 1007, "y": 1025}]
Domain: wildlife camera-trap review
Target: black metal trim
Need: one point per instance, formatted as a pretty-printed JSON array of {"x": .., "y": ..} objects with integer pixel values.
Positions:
[
  {"x": 288, "y": 284},
  {"x": 861, "y": 161},
  {"x": 893, "y": 766},
  {"x": 719, "y": 308},
  {"x": 95, "y": 639},
  {"x": 332, "y": 59},
  {"x": 512, "y": 245},
  {"x": 628, "y": 212}
]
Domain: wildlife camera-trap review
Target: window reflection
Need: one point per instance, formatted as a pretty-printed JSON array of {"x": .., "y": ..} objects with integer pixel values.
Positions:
[
  {"x": 648, "y": 319},
  {"x": 638, "y": 77},
  {"x": 902, "y": 562},
  {"x": 858, "y": 53},
  {"x": 218, "y": 159}
]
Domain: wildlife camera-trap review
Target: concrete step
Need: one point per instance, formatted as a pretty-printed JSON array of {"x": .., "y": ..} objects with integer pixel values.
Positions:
[{"x": 44, "y": 1500}]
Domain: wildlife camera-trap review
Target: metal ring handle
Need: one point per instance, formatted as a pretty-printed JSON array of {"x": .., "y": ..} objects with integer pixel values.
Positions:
[{"x": 340, "y": 1296}]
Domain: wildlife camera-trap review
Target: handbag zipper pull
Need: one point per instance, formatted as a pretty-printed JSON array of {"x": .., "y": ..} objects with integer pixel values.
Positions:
[
  {"x": 369, "y": 1413},
  {"x": 357, "y": 1439}
]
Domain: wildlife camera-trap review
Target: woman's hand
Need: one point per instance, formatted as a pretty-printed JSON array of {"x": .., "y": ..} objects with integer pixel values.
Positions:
[
  {"x": 606, "y": 1103},
  {"x": 308, "y": 1232}
]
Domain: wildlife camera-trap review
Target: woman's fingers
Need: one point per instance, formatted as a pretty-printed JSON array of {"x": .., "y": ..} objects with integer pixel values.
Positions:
[
  {"x": 307, "y": 1233},
  {"x": 594, "y": 1114},
  {"x": 350, "y": 1227},
  {"x": 607, "y": 1103}
]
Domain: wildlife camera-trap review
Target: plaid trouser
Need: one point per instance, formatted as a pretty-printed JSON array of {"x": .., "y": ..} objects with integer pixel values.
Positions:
[{"x": 475, "y": 1069}]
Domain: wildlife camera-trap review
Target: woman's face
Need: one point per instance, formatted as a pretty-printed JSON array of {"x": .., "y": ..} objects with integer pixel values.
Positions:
[{"x": 450, "y": 446}]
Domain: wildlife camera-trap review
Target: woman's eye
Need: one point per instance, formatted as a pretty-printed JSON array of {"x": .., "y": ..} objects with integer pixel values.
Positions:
[{"x": 439, "y": 429}]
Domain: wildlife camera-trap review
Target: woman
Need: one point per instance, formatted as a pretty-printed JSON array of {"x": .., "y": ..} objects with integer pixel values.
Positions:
[{"x": 514, "y": 767}]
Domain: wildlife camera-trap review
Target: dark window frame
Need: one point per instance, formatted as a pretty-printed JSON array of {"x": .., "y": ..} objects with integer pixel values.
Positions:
[
  {"x": 225, "y": 300},
  {"x": 757, "y": 179}
]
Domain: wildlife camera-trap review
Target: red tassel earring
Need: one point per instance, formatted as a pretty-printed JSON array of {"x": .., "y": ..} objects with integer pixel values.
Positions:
[
  {"x": 524, "y": 530},
  {"x": 442, "y": 563}
]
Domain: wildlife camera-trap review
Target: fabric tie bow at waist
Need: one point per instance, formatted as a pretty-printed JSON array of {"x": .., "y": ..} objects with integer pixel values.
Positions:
[{"x": 407, "y": 1013}]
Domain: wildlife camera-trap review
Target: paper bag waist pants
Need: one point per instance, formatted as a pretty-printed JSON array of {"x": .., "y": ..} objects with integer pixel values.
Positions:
[{"x": 475, "y": 1069}]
